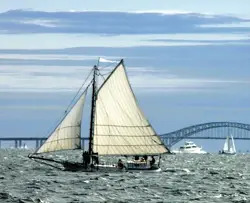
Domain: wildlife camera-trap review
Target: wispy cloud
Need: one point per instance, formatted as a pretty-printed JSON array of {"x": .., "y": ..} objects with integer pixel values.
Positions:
[
  {"x": 37, "y": 79},
  {"x": 232, "y": 25},
  {"x": 141, "y": 22},
  {"x": 40, "y": 22},
  {"x": 163, "y": 82},
  {"x": 59, "y": 41}
]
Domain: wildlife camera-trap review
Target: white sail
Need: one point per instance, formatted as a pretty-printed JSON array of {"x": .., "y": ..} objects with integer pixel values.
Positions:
[
  {"x": 226, "y": 145},
  {"x": 229, "y": 147},
  {"x": 233, "y": 145},
  {"x": 120, "y": 126},
  {"x": 67, "y": 135}
]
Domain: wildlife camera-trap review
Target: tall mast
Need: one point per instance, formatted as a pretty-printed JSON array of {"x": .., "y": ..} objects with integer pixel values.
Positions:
[{"x": 92, "y": 119}]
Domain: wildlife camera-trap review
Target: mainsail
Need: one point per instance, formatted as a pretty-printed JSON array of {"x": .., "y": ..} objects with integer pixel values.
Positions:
[
  {"x": 67, "y": 134},
  {"x": 226, "y": 145},
  {"x": 120, "y": 128}
]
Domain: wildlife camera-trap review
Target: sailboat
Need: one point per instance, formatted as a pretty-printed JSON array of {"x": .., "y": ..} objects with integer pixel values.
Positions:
[
  {"x": 229, "y": 147},
  {"x": 118, "y": 128}
]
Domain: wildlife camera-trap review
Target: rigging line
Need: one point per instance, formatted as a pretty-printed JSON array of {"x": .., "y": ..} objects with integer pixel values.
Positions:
[
  {"x": 102, "y": 77},
  {"x": 79, "y": 89},
  {"x": 102, "y": 74},
  {"x": 102, "y": 67},
  {"x": 67, "y": 109},
  {"x": 108, "y": 73}
]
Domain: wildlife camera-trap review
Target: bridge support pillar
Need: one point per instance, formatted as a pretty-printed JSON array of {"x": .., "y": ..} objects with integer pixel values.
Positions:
[
  {"x": 20, "y": 143},
  {"x": 82, "y": 144},
  {"x": 41, "y": 142},
  {"x": 37, "y": 144},
  {"x": 15, "y": 143}
]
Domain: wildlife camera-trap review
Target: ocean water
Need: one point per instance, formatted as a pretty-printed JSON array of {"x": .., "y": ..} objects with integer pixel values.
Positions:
[{"x": 184, "y": 178}]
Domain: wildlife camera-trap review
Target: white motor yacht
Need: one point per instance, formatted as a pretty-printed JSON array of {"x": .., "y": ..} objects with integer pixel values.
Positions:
[{"x": 190, "y": 148}]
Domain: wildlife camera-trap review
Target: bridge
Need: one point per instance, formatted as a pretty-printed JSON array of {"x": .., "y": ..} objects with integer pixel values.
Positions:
[
  {"x": 213, "y": 130},
  {"x": 207, "y": 131}
]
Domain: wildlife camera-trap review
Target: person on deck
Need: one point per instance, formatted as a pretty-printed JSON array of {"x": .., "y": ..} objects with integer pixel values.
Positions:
[
  {"x": 86, "y": 159},
  {"x": 136, "y": 158},
  {"x": 142, "y": 159},
  {"x": 152, "y": 162},
  {"x": 120, "y": 164},
  {"x": 95, "y": 160}
]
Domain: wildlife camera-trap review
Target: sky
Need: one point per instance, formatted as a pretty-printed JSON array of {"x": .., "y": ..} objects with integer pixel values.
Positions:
[
  {"x": 240, "y": 7},
  {"x": 187, "y": 61}
]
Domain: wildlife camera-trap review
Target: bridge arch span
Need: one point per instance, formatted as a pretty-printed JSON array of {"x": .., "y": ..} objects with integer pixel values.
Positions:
[{"x": 174, "y": 137}]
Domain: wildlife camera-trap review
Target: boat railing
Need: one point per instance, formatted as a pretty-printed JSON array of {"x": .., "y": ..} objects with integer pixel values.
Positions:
[
  {"x": 108, "y": 163},
  {"x": 131, "y": 163}
]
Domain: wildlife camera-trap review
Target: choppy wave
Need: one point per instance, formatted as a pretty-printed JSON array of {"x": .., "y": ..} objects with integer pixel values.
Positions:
[{"x": 184, "y": 178}]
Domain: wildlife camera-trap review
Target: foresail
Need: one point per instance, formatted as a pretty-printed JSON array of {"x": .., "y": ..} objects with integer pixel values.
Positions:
[
  {"x": 120, "y": 126},
  {"x": 233, "y": 145},
  {"x": 67, "y": 135}
]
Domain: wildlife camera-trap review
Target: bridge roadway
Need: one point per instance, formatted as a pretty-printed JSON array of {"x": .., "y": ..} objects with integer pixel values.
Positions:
[{"x": 39, "y": 140}]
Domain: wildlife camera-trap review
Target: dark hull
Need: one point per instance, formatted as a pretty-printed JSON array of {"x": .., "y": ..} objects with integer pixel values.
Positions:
[{"x": 77, "y": 167}]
